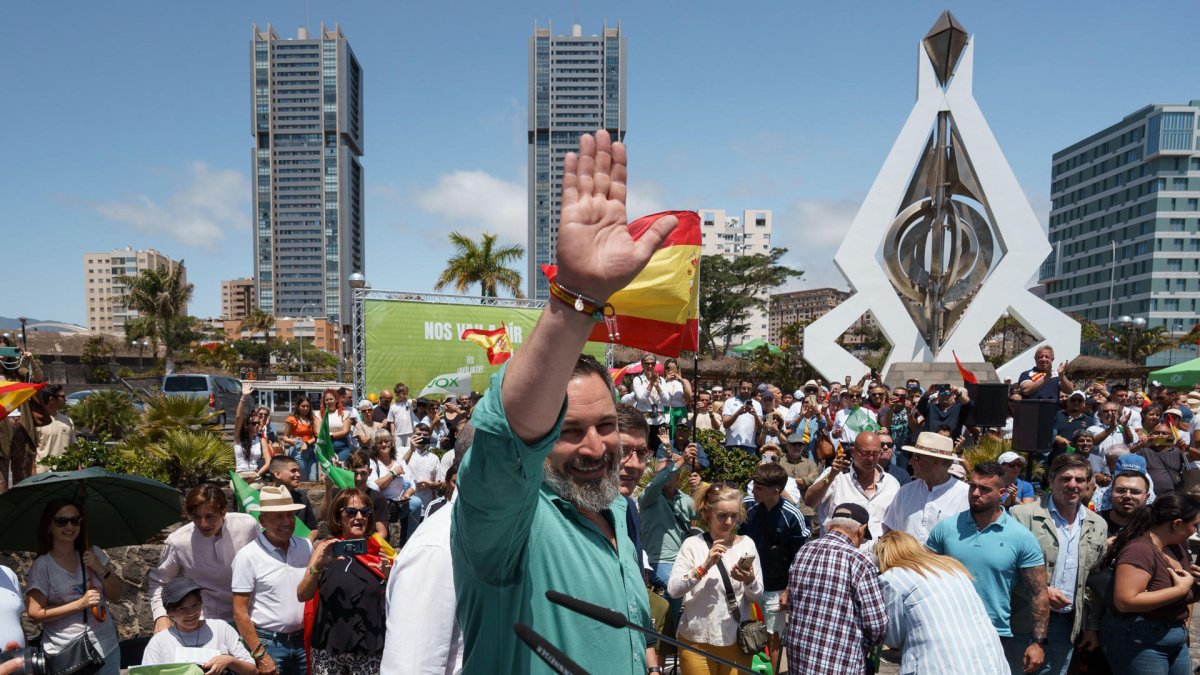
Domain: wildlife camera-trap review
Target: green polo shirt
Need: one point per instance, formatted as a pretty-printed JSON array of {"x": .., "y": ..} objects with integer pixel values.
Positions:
[
  {"x": 665, "y": 520},
  {"x": 513, "y": 539}
]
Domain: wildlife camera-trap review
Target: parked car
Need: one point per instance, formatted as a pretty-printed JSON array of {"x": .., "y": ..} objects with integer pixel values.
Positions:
[
  {"x": 223, "y": 393},
  {"x": 76, "y": 398}
]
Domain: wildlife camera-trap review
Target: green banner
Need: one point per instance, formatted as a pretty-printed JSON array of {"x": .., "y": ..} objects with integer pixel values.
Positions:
[{"x": 418, "y": 343}]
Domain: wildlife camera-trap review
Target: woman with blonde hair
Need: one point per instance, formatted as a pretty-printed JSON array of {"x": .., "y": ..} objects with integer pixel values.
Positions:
[
  {"x": 709, "y": 568},
  {"x": 934, "y": 613}
]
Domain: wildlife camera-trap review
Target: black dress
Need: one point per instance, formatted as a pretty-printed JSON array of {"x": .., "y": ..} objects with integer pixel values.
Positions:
[{"x": 351, "y": 611}]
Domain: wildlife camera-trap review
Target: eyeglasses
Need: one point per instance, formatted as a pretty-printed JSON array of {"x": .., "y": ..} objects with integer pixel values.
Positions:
[
  {"x": 1136, "y": 492},
  {"x": 354, "y": 513},
  {"x": 63, "y": 521},
  {"x": 642, "y": 453},
  {"x": 887, "y": 445}
]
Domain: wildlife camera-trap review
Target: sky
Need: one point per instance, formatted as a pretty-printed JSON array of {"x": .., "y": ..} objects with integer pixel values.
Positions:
[{"x": 129, "y": 123}]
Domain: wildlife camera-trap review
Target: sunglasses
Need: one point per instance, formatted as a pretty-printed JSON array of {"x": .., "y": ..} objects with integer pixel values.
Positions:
[
  {"x": 354, "y": 513},
  {"x": 887, "y": 445},
  {"x": 63, "y": 521}
]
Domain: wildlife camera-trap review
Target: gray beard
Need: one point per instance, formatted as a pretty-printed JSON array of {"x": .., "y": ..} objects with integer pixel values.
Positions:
[{"x": 594, "y": 495}]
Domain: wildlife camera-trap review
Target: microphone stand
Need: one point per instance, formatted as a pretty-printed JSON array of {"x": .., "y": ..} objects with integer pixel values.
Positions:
[
  {"x": 553, "y": 656},
  {"x": 617, "y": 620}
]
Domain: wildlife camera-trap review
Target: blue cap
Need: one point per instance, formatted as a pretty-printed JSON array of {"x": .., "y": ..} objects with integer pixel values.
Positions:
[{"x": 1131, "y": 462}]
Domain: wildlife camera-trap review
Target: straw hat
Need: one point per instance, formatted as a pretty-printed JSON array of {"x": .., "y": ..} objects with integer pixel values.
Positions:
[
  {"x": 277, "y": 499},
  {"x": 934, "y": 445}
]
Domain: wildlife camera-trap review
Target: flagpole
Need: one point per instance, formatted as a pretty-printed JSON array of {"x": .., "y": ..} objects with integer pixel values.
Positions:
[{"x": 696, "y": 357}]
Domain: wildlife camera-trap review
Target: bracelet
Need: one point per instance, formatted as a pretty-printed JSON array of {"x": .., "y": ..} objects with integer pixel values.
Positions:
[
  {"x": 257, "y": 652},
  {"x": 312, "y": 569},
  {"x": 585, "y": 305},
  {"x": 699, "y": 572}
]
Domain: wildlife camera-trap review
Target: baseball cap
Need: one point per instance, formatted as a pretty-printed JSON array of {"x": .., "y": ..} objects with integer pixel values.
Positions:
[
  {"x": 1078, "y": 393},
  {"x": 1130, "y": 462},
  {"x": 177, "y": 589},
  {"x": 854, "y": 512},
  {"x": 1009, "y": 458}
]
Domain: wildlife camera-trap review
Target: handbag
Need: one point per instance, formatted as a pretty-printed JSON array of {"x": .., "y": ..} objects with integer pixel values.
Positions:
[
  {"x": 751, "y": 635},
  {"x": 80, "y": 656}
]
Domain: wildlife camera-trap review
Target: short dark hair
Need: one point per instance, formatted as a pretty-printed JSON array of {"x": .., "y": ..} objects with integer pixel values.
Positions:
[
  {"x": 990, "y": 468},
  {"x": 1133, "y": 473},
  {"x": 279, "y": 461},
  {"x": 770, "y": 475},
  {"x": 358, "y": 460},
  {"x": 587, "y": 364},
  {"x": 205, "y": 493},
  {"x": 400, "y": 388},
  {"x": 632, "y": 422},
  {"x": 1069, "y": 461},
  {"x": 49, "y": 391}
]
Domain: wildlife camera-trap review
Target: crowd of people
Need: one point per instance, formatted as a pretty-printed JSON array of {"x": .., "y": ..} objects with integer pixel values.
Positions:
[{"x": 863, "y": 526}]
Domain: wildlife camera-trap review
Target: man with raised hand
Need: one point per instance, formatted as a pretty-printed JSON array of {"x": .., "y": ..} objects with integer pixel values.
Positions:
[{"x": 540, "y": 506}]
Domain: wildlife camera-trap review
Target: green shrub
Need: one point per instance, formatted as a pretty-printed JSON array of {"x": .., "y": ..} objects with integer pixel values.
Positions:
[
  {"x": 725, "y": 465},
  {"x": 85, "y": 453},
  {"x": 188, "y": 457},
  {"x": 107, "y": 412}
]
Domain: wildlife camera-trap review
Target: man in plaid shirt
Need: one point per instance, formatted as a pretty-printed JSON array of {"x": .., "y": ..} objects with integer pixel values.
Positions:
[{"x": 836, "y": 610}]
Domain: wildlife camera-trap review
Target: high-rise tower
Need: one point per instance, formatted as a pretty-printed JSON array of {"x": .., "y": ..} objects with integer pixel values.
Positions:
[
  {"x": 307, "y": 123},
  {"x": 576, "y": 86}
]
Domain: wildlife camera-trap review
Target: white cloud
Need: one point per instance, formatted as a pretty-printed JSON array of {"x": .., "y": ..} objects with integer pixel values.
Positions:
[
  {"x": 812, "y": 230},
  {"x": 644, "y": 197},
  {"x": 197, "y": 215},
  {"x": 476, "y": 201}
]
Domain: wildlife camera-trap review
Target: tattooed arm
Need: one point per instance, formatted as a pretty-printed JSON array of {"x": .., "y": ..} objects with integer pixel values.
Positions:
[{"x": 1035, "y": 581}]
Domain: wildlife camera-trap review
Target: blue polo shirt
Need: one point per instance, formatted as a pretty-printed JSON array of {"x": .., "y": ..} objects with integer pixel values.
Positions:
[{"x": 994, "y": 556}]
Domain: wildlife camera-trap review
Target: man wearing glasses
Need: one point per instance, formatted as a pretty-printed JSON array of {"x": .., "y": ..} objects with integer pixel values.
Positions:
[
  {"x": 58, "y": 431},
  {"x": 857, "y": 480}
]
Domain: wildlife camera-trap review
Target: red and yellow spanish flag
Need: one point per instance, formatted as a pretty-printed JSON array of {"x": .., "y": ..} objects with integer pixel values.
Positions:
[
  {"x": 499, "y": 349},
  {"x": 659, "y": 311},
  {"x": 13, "y": 394}
]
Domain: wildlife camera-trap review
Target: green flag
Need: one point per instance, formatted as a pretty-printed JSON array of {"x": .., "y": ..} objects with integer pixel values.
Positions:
[
  {"x": 168, "y": 669},
  {"x": 342, "y": 478},
  {"x": 248, "y": 498},
  {"x": 859, "y": 420}
]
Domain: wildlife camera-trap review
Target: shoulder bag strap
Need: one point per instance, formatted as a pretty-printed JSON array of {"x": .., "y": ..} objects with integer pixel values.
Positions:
[{"x": 730, "y": 600}]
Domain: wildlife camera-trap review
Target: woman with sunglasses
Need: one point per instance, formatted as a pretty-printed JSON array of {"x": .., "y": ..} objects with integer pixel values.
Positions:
[
  {"x": 68, "y": 586},
  {"x": 350, "y": 619},
  {"x": 251, "y": 449}
]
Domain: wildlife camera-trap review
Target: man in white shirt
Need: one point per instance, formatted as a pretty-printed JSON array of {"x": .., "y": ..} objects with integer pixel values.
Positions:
[
  {"x": 933, "y": 495},
  {"x": 853, "y": 416},
  {"x": 857, "y": 480},
  {"x": 400, "y": 415},
  {"x": 423, "y": 576},
  {"x": 651, "y": 398},
  {"x": 53, "y": 438},
  {"x": 266, "y": 574},
  {"x": 423, "y": 468},
  {"x": 743, "y": 418}
]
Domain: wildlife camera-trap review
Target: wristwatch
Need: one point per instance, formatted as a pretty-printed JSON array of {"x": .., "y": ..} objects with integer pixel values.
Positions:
[
  {"x": 1041, "y": 642},
  {"x": 654, "y": 669}
]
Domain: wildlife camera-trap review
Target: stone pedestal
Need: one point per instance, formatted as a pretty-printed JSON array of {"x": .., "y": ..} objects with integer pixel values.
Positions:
[{"x": 937, "y": 373}]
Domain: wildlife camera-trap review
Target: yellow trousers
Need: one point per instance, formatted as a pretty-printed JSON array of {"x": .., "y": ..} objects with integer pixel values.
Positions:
[{"x": 691, "y": 663}]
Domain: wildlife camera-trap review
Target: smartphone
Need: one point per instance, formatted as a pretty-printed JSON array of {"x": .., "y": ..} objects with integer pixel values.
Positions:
[
  {"x": 746, "y": 562},
  {"x": 10, "y": 352},
  {"x": 349, "y": 547}
]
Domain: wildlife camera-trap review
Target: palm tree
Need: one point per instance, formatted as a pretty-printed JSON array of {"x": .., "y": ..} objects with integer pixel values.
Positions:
[
  {"x": 160, "y": 296},
  {"x": 1138, "y": 344},
  {"x": 258, "y": 321},
  {"x": 482, "y": 263}
]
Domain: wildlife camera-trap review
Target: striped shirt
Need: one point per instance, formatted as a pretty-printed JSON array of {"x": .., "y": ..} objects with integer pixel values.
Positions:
[
  {"x": 835, "y": 608},
  {"x": 940, "y": 624}
]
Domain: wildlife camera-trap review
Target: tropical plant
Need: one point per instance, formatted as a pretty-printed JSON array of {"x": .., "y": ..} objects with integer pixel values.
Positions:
[
  {"x": 1137, "y": 345},
  {"x": 730, "y": 289},
  {"x": 161, "y": 296},
  {"x": 258, "y": 321},
  {"x": 482, "y": 263},
  {"x": 288, "y": 356},
  {"x": 95, "y": 356},
  {"x": 1192, "y": 337},
  {"x": 1012, "y": 336},
  {"x": 251, "y": 350},
  {"x": 191, "y": 457},
  {"x": 108, "y": 412},
  {"x": 216, "y": 355},
  {"x": 725, "y": 464},
  {"x": 88, "y": 452},
  {"x": 177, "y": 413},
  {"x": 786, "y": 368}
]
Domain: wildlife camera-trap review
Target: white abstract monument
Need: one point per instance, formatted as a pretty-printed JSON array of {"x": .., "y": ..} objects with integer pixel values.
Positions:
[{"x": 955, "y": 240}]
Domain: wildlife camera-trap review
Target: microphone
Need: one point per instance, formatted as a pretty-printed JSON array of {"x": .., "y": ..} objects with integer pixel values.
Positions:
[
  {"x": 553, "y": 656},
  {"x": 617, "y": 620}
]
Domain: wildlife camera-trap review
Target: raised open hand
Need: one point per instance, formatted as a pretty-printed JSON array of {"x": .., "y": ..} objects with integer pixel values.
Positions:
[{"x": 596, "y": 255}]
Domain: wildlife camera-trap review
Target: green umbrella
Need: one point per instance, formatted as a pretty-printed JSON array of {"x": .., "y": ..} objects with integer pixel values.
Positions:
[
  {"x": 753, "y": 345},
  {"x": 1179, "y": 375},
  {"x": 121, "y": 510}
]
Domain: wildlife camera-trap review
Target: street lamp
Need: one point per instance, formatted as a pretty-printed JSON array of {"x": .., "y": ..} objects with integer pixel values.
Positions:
[
  {"x": 1004, "y": 337},
  {"x": 1132, "y": 327},
  {"x": 359, "y": 284}
]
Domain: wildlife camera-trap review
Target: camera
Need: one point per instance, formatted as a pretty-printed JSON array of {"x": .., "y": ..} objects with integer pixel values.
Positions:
[
  {"x": 349, "y": 547},
  {"x": 32, "y": 656}
]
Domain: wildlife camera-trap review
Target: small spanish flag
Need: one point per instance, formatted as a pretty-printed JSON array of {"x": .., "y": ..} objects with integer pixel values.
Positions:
[
  {"x": 967, "y": 376},
  {"x": 499, "y": 349},
  {"x": 659, "y": 311},
  {"x": 13, "y": 394}
]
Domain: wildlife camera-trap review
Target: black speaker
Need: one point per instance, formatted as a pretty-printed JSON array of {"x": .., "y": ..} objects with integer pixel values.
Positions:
[
  {"x": 991, "y": 404},
  {"x": 1033, "y": 425}
]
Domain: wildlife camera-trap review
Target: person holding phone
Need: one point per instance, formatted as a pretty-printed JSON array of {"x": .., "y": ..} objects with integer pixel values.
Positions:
[
  {"x": 349, "y": 574},
  {"x": 708, "y": 568}
]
